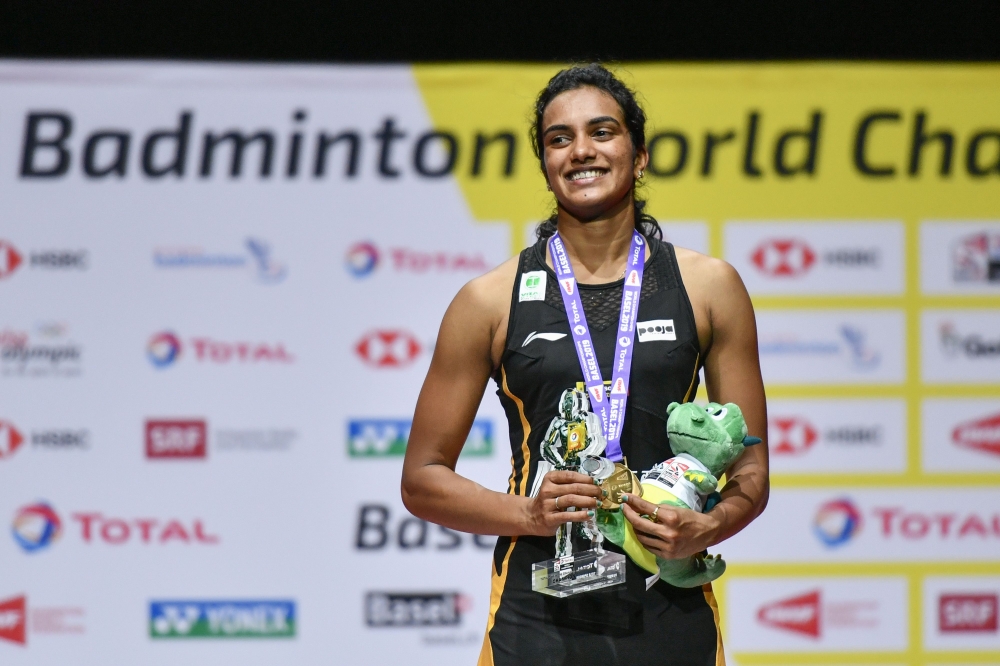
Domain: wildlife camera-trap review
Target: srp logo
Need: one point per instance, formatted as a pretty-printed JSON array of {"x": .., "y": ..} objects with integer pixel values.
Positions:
[{"x": 837, "y": 522}]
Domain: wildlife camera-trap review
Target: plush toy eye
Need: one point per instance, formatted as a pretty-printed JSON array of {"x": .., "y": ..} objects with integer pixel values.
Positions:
[{"x": 718, "y": 414}]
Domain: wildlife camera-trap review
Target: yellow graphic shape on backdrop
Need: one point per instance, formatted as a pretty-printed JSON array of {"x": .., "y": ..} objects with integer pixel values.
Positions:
[{"x": 786, "y": 142}]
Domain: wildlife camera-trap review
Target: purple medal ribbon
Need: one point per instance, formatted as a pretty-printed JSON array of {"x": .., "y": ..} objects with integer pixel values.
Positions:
[{"x": 610, "y": 407}]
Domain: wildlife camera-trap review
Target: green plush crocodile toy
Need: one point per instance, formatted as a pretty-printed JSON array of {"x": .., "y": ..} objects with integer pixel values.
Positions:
[{"x": 705, "y": 441}]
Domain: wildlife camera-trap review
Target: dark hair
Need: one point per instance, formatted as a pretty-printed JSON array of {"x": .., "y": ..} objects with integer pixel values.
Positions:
[{"x": 595, "y": 76}]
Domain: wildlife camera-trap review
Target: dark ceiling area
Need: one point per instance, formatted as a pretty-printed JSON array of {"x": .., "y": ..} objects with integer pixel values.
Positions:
[{"x": 448, "y": 30}]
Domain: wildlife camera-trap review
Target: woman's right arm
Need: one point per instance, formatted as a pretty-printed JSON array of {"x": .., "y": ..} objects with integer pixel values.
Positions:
[{"x": 462, "y": 363}]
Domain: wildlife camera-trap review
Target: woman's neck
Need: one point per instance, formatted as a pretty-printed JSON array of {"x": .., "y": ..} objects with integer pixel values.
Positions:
[{"x": 599, "y": 247}]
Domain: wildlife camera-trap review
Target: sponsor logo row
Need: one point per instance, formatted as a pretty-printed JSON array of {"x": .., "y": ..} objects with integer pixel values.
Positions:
[
  {"x": 255, "y": 257},
  {"x": 804, "y": 436},
  {"x": 773, "y": 257},
  {"x": 188, "y": 438},
  {"x": 240, "y": 618},
  {"x": 768, "y": 615},
  {"x": 859, "y": 614},
  {"x": 796, "y": 347},
  {"x": 38, "y": 526}
]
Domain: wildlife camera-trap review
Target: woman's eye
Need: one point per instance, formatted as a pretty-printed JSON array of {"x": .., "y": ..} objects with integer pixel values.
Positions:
[{"x": 719, "y": 414}]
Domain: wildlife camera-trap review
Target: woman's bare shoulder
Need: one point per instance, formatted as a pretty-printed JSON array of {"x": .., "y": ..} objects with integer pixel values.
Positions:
[
  {"x": 491, "y": 291},
  {"x": 702, "y": 271}
]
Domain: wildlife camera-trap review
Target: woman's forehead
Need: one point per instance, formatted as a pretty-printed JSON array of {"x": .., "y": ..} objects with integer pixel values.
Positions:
[{"x": 581, "y": 104}]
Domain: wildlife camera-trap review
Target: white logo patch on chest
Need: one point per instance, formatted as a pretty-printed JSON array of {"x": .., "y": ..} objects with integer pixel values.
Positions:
[{"x": 656, "y": 329}]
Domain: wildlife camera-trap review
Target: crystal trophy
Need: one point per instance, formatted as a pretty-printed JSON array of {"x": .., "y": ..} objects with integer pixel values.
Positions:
[{"x": 574, "y": 442}]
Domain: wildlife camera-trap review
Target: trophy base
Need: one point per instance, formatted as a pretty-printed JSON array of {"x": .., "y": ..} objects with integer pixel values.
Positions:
[{"x": 577, "y": 573}]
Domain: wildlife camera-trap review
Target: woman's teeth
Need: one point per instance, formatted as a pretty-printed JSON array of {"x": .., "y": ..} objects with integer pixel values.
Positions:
[{"x": 594, "y": 173}]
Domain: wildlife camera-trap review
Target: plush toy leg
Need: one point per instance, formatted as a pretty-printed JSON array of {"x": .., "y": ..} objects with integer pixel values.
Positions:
[
  {"x": 618, "y": 531},
  {"x": 691, "y": 571}
]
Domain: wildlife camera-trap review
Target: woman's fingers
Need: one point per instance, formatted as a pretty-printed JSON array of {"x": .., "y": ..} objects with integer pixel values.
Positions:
[
  {"x": 565, "y": 476},
  {"x": 564, "y": 502}
]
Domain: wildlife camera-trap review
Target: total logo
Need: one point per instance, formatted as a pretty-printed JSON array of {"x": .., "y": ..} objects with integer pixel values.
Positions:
[
  {"x": 980, "y": 435},
  {"x": 14, "y": 620},
  {"x": 837, "y": 522},
  {"x": 165, "y": 348},
  {"x": 364, "y": 258},
  {"x": 976, "y": 258},
  {"x": 415, "y": 609},
  {"x": 256, "y": 256},
  {"x": 388, "y": 348},
  {"x": 792, "y": 257},
  {"x": 37, "y": 526},
  {"x": 795, "y": 435},
  {"x": 808, "y": 614},
  {"x": 971, "y": 346},
  {"x": 967, "y": 613},
  {"x": 11, "y": 259},
  {"x": 11, "y": 439},
  {"x": 222, "y": 619}
]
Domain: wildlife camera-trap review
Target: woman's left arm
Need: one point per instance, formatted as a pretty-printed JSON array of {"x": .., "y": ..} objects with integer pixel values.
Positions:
[{"x": 732, "y": 374}]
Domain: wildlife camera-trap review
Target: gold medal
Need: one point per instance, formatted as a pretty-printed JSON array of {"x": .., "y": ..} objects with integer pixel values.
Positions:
[{"x": 622, "y": 480}]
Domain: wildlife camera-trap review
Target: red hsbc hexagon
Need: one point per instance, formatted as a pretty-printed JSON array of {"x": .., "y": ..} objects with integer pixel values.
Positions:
[
  {"x": 790, "y": 435},
  {"x": 10, "y": 438},
  {"x": 10, "y": 259},
  {"x": 388, "y": 348},
  {"x": 783, "y": 257}
]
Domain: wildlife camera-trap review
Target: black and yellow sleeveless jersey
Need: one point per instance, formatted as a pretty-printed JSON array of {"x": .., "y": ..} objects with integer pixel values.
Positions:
[{"x": 626, "y": 625}]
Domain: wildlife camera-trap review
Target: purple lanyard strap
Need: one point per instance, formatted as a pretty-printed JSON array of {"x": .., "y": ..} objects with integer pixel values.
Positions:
[{"x": 611, "y": 407}]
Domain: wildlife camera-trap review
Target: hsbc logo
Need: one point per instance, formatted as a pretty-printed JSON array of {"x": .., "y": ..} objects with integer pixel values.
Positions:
[
  {"x": 793, "y": 257},
  {"x": 388, "y": 348},
  {"x": 11, "y": 259},
  {"x": 10, "y": 439},
  {"x": 796, "y": 435},
  {"x": 789, "y": 257},
  {"x": 980, "y": 435},
  {"x": 967, "y": 613},
  {"x": 173, "y": 439},
  {"x": 790, "y": 436}
]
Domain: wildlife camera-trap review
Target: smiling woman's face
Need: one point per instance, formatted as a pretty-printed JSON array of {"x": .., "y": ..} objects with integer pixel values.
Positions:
[{"x": 589, "y": 159}]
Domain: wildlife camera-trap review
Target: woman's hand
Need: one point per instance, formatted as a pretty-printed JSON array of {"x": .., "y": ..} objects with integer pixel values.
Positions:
[
  {"x": 677, "y": 532},
  {"x": 560, "y": 494}
]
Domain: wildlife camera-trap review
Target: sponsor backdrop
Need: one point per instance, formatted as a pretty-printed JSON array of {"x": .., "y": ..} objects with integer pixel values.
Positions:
[{"x": 220, "y": 288}]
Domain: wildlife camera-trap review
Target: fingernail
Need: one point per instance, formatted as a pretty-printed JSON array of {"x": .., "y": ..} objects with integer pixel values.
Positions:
[
  {"x": 596, "y": 482},
  {"x": 605, "y": 492},
  {"x": 624, "y": 498},
  {"x": 590, "y": 513}
]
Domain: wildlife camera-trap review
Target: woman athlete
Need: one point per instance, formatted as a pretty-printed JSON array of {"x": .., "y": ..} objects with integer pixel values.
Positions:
[{"x": 589, "y": 136}]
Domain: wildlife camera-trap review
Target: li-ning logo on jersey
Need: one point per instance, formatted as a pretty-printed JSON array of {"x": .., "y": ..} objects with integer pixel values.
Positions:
[
  {"x": 656, "y": 329},
  {"x": 551, "y": 337}
]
